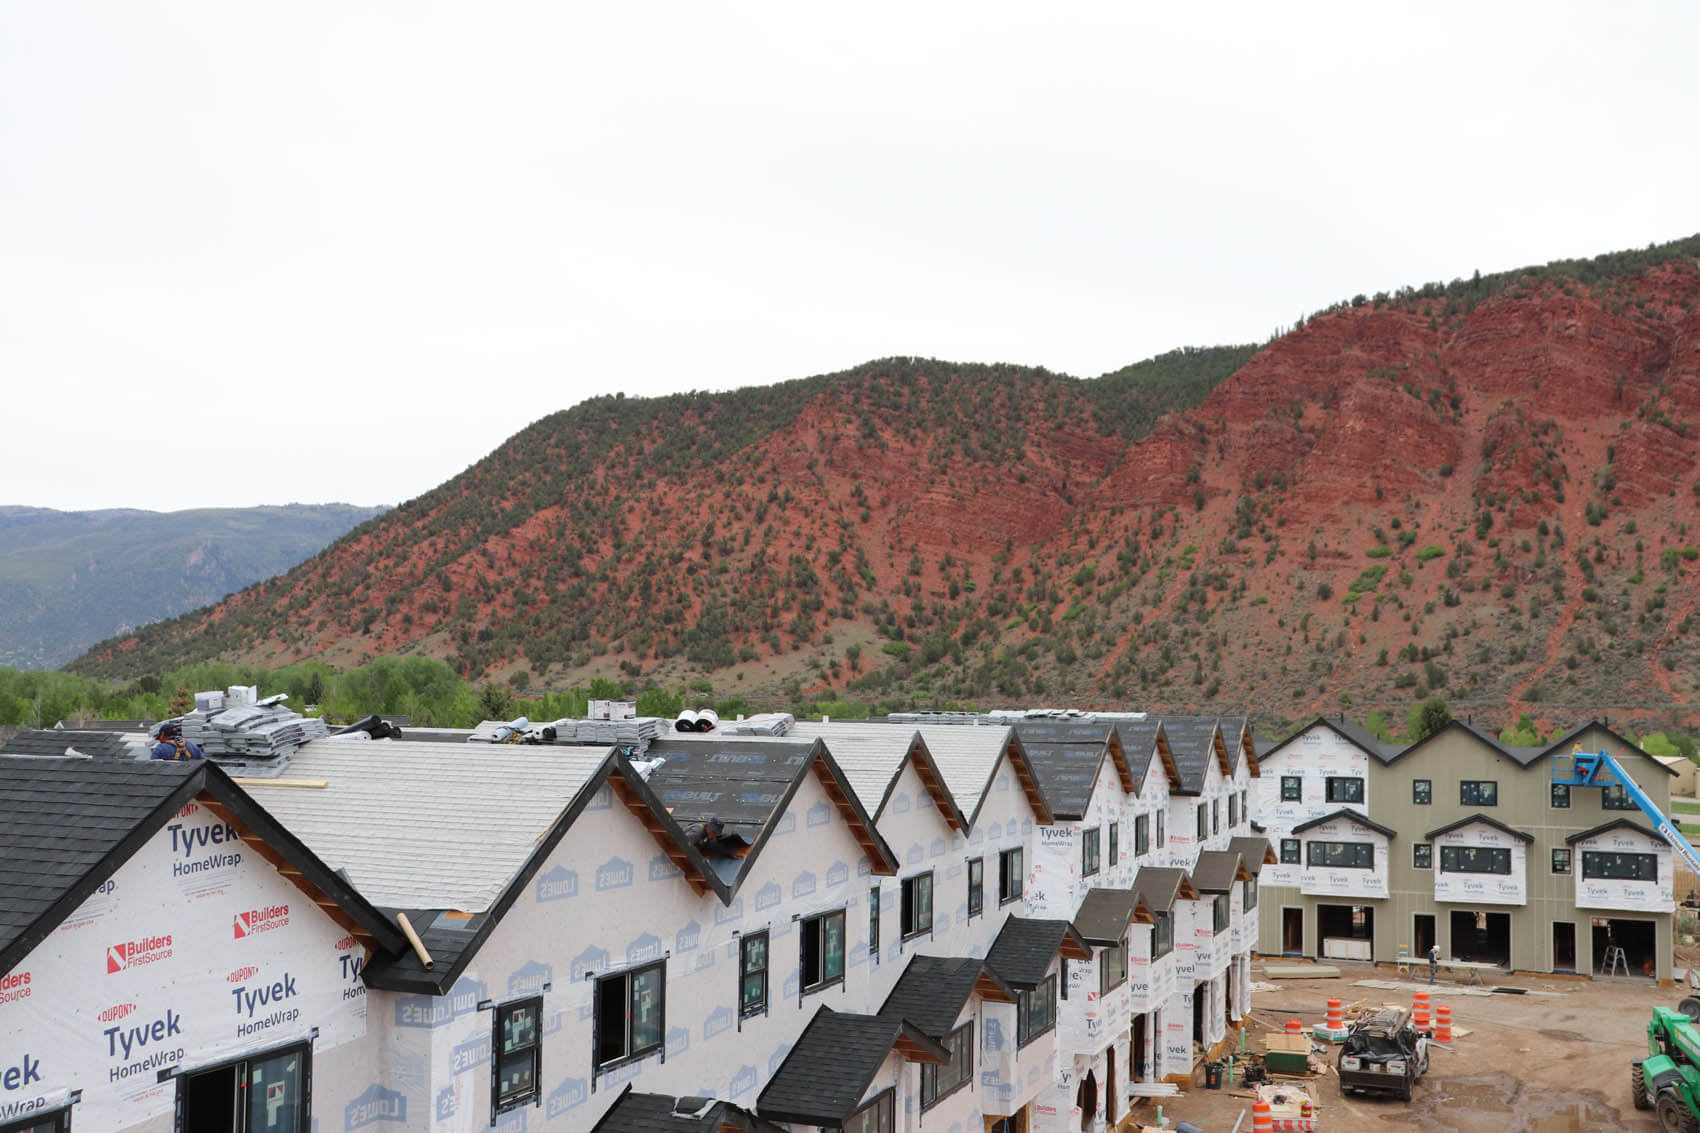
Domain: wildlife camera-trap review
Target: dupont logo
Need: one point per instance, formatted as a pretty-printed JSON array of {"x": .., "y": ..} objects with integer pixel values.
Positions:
[
  {"x": 255, "y": 921},
  {"x": 113, "y": 1014},
  {"x": 345, "y": 944},
  {"x": 135, "y": 953},
  {"x": 242, "y": 975},
  {"x": 14, "y": 986}
]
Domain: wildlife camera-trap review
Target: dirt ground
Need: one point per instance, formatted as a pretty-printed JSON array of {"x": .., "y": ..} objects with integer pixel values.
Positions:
[{"x": 1562, "y": 1048}]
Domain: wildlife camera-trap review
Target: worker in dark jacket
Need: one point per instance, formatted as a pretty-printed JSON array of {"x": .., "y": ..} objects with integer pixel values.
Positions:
[{"x": 172, "y": 745}]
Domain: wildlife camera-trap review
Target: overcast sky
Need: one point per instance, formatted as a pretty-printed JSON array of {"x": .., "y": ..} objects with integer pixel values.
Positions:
[{"x": 261, "y": 253}]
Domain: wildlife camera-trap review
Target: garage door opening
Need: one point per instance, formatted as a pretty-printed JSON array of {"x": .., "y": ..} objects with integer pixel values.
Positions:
[
  {"x": 1482, "y": 937},
  {"x": 1347, "y": 932},
  {"x": 1638, "y": 941}
]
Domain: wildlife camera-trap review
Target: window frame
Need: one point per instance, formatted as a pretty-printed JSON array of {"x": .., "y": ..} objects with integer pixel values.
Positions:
[
  {"x": 1221, "y": 913},
  {"x": 1465, "y": 784},
  {"x": 745, "y": 972},
  {"x": 1426, "y": 796},
  {"x": 1615, "y": 796},
  {"x": 1233, "y": 810},
  {"x": 1203, "y": 823},
  {"x": 1455, "y": 854},
  {"x": 533, "y": 1096},
  {"x": 1592, "y": 858},
  {"x": 909, "y": 926},
  {"x": 1296, "y": 847},
  {"x": 1358, "y": 849},
  {"x": 60, "y": 1115},
  {"x": 1162, "y": 836},
  {"x": 1567, "y": 859},
  {"x": 1023, "y": 1036},
  {"x": 886, "y": 1102},
  {"x": 182, "y": 1075},
  {"x": 1292, "y": 788},
  {"x": 964, "y": 1034},
  {"x": 1141, "y": 835},
  {"x": 874, "y": 921},
  {"x": 1089, "y": 858},
  {"x": 817, "y": 924},
  {"x": 1105, "y": 984},
  {"x": 1011, "y": 881},
  {"x": 1248, "y": 901},
  {"x": 1162, "y": 934},
  {"x": 629, "y": 977},
  {"x": 1113, "y": 856},
  {"x": 1215, "y": 817},
  {"x": 1328, "y": 788},
  {"x": 1426, "y": 851},
  {"x": 976, "y": 887},
  {"x": 1553, "y": 799}
]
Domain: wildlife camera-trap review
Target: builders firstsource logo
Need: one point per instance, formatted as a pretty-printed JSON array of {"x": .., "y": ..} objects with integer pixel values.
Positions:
[
  {"x": 255, "y": 921},
  {"x": 14, "y": 986},
  {"x": 136, "y": 953}
]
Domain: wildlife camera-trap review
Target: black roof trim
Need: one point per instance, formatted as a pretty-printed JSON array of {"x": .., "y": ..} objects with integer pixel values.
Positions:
[
  {"x": 1474, "y": 818},
  {"x": 1346, "y": 812}
]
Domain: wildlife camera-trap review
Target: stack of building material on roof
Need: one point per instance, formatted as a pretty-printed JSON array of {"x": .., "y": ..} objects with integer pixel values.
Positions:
[
  {"x": 638, "y": 732},
  {"x": 250, "y": 736},
  {"x": 761, "y": 724}
]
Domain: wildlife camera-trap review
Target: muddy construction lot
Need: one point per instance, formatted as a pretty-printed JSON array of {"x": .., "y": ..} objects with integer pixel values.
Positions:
[{"x": 1560, "y": 1050}]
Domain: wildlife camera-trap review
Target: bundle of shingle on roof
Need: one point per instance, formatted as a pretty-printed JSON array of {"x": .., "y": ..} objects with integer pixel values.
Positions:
[
  {"x": 761, "y": 724},
  {"x": 250, "y": 736},
  {"x": 639, "y": 732}
]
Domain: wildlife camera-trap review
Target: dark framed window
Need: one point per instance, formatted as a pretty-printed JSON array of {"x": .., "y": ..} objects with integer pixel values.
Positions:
[
  {"x": 1289, "y": 851},
  {"x": 1215, "y": 816},
  {"x": 874, "y": 921},
  {"x": 976, "y": 886},
  {"x": 1250, "y": 901},
  {"x": 1162, "y": 838},
  {"x": 1422, "y": 792},
  {"x": 1561, "y": 796},
  {"x": 752, "y": 974},
  {"x": 1089, "y": 852},
  {"x": 1220, "y": 912},
  {"x": 631, "y": 1010},
  {"x": 1035, "y": 1011},
  {"x": 941, "y": 1080},
  {"x": 1422, "y": 855},
  {"x": 517, "y": 1067},
  {"x": 43, "y": 1121},
  {"x": 1203, "y": 822},
  {"x": 1615, "y": 797},
  {"x": 1141, "y": 835},
  {"x": 1478, "y": 792},
  {"x": 1162, "y": 935},
  {"x": 878, "y": 1116},
  {"x": 1603, "y": 866},
  {"x": 1475, "y": 859},
  {"x": 268, "y": 1090},
  {"x": 1341, "y": 855},
  {"x": 1112, "y": 968},
  {"x": 916, "y": 916},
  {"x": 1245, "y": 813},
  {"x": 1292, "y": 788},
  {"x": 1010, "y": 872},
  {"x": 1115, "y": 857},
  {"x": 1233, "y": 811},
  {"x": 823, "y": 951},
  {"x": 1561, "y": 859},
  {"x": 1345, "y": 789}
]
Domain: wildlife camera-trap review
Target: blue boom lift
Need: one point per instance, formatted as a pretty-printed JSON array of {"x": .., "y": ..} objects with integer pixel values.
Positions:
[{"x": 1599, "y": 769}]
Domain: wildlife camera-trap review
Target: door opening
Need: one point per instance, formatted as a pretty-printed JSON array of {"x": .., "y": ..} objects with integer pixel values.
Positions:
[
  {"x": 1563, "y": 946},
  {"x": 1110, "y": 1087},
  {"x": 1087, "y": 1100},
  {"x": 1136, "y": 1060},
  {"x": 1422, "y": 937},
  {"x": 1292, "y": 932},
  {"x": 1483, "y": 937}
]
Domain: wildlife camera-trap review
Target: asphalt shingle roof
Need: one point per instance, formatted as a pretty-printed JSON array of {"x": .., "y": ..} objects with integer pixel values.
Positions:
[
  {"x": 1025, "y": 947},
  {"x": 1192, "y": 741},
  {"x": 1067, "y": 759},
  {"x": 741, "y": 781},
  {"x": 1470, "y": 820},
  {"x": 1159, "y": 886},
  {"x": 63, "y": 819},
  {"x": 824, "y": 1077},
  {"x": 1215, "y": 871},
  {"x": 1104, "y": 915},
  {"x": 932, "y": 991},
  {"x": 1614, "y": 824},
  {"x": 100, "y": 744},
  {"x": 1347, "y": 813},
  {"x": 1139, "y": 741},
  {"x": 664, "y": 1113},
  {"x": 1255, "y": 852}
]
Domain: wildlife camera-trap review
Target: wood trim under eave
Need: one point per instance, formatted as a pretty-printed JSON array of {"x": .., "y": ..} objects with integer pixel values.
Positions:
[
  {"x": 930, "y": 779},
  {"x": 988, "y": 988},
  {"x": 914, "y": 1052},
  {"x": 1142, "y": 914},
  {"x": 633, "y": 803},
  {"x": 1017, "y": 756},
  {"x": 1221, "y": 747},
  {"x": 1123, "y": 771},
  {"x": 289, "y": 873},
  {"x": 1186, "y": 891},
  {"x": 1168, "y": 757},
  {"x": 1072, "y": 949},
  {"x": 863, "y": 834}
]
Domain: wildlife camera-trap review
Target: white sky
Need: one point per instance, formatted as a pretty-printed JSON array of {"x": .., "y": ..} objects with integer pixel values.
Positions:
[{"x": 340, "y": 251}]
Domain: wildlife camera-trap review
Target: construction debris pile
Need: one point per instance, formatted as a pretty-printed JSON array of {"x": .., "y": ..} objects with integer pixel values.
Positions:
[{"x": 247, "y": 734}]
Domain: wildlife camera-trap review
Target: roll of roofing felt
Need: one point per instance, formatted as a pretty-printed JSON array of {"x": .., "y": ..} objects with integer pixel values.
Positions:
[
  {"x": 707, "y": 719},
  {"x": 687, "y": 721}
]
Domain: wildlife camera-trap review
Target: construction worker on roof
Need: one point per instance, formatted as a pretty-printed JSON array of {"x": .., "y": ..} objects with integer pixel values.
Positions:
[{"x": 172, "y": 745}]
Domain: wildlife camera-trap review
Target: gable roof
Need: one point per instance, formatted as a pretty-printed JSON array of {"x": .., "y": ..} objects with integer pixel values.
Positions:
[
  {"x": 1255, "y": 852},
  {"x": 932, "y": 991},
  {"x": 1025, "y": 948},
  {"x": 1562, "y": 744},
  {"x": 1161, "y": 886},
  {"x": 1614, "y": 824},
  {"x": 1350, "y": 731},
  {"x": 1236, "y": 735},
  {"x": 1468, "y": 728},
  {"x": 663, "y": 1113},
  {"x": 823, "y": 1078},
  {"x": 1482, "y": 818},
  {"x": 1215, "y": 871},
  {"x": 1347, "y": 813},
  {"x": 101, "y": 744},
  {"x": 1143, "y": 741},
  {"x": 747, "y": 784},
  {"x": 968, "y": 758},
  {"x": 1104, "y": 915},
  {"x": 68, "y": 824},
  {"x": 1067, "y": 757},
  {"x": 1195, "y": 741}
]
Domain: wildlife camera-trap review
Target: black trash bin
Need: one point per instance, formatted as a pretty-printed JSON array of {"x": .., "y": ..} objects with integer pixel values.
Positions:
[{"x": 1213, "y": 1075}]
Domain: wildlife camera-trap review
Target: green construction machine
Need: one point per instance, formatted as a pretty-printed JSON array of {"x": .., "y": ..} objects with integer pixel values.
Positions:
[{"x": 1668, "y": 1079}]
